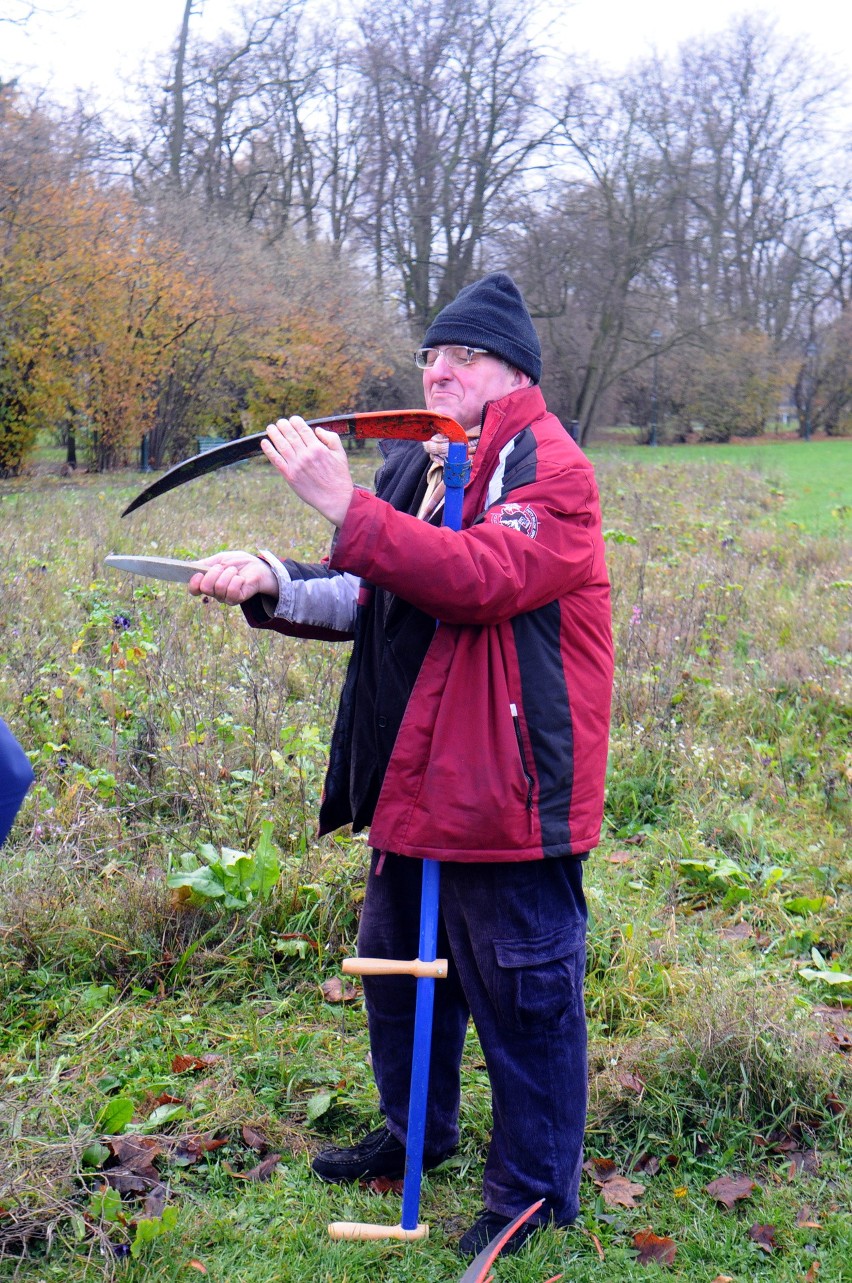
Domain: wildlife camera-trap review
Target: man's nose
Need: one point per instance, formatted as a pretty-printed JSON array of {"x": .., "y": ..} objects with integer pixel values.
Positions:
[{"x": 441, "y": 367}]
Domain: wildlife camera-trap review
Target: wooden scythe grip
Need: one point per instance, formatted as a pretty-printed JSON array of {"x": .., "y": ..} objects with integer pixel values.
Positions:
[
  {"x": 394, "y": 967},
  {"x": 361, "y": 1230}
]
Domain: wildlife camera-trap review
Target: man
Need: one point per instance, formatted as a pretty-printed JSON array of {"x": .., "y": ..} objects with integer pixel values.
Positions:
[
  {"x": 481, "y": 744},
  {"x": 16, "y": 776}
]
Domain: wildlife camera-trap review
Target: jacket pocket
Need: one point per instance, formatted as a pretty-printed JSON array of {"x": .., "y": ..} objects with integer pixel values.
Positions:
[
  {"x": 539, "y": 981},
  {"x": 516, "y": 722}
]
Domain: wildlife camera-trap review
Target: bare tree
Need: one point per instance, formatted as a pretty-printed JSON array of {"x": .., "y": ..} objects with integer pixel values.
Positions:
[
  {"x": 740, "y": 127},
  {"x": 450, "y": 133},
  {"x": 590, "y": 260}
]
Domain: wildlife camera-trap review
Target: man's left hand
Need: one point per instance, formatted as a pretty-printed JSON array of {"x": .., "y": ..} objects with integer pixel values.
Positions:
[{"x": 313, "y": 463}]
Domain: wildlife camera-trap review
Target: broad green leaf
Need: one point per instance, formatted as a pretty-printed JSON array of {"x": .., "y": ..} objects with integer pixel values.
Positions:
[
  {"x": 232, "y": 901},
  {"x": 828, "y": 977},
  {"x": 774, "y": 875},
  {"x": 318, "y": 1105},
  {"x": 115, "y": 1116},
  {"x": 150, "y": 1227},
  {"x": 95, "y": 1154},
  {"x": 94, "y": 997},
  {"x": 230, "y": 859},
  {"x": 290, "y": 948},
  {"x": 105, "y": 1203},
  {"x": 803, "y": 904},
  {"x": 164, "y": 1114},
  {"x": 203, "y": 881},
  {"x": 267, "y": 864}
]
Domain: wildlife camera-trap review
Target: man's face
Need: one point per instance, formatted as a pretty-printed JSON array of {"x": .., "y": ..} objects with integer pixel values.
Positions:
[{"x": 461, "y": 391}]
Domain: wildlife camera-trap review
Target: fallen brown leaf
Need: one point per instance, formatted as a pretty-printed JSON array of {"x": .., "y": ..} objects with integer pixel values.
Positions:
[
  {"x": 335, "y": 990},
  {"x": 188, "y": 1149},
  {"x": 740, "y": 931},
  {"x": 134, "y": 1172},
  {"x": 803, "y": 1160},
  {"x": 182, "y": 1063},
  {"x": 600, "y": 1169},
  {"x": 621, "y": 1192},
  {"x": 264, "y": 1169},
  {"x": 789, "y": 1138},
  {"x": 383, "y": 1185},
  {"x": 155, "y": 1201},
  {"x": 165, "y": 1099},
  {"x": 620, "y": 857},
  {"x": 723, "y": 1278},
  {"x": 254, "y": 1139},
  {"x": 730, "y": 1189},
  {"x": 839, "y": 1034},
  {"x": 764, "y": 1237},
  {"x": 134, "y": 1151},
  {"x": 810, "y": 1277},
  {"x": 805, "y": 1221},
  {"x": 127, "y": 1182},
  {"x": 647, "y": 1165},
  {"x": 631, "y": 1082},
  {"x": 653, "y": 1248},
  {"x": 196, "y": 1265}
]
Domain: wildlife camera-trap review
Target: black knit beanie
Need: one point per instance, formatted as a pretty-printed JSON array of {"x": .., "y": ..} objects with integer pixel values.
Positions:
[{"x": 492, "y": 314}]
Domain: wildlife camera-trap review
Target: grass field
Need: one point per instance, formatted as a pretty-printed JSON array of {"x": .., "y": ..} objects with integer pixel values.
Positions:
[
  {"x": 811, "y": 482},
  {"x": 159, "y": 1049}
]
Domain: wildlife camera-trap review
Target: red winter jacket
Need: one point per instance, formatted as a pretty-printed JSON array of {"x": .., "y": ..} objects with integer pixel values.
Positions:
[{"x": 501, "y": 753}]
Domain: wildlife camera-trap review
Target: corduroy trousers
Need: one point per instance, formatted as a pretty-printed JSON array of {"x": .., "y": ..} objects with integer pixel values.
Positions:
[{"x": 514, "y": 935}]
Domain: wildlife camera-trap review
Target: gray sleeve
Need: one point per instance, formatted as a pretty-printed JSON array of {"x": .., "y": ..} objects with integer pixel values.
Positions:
[{"x": 326, "y": 602}]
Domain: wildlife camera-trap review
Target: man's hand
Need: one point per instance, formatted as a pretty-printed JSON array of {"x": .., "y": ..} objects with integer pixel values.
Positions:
[
  {"x": 233, "y": 577},
  {"x": 314, "y": 465}
]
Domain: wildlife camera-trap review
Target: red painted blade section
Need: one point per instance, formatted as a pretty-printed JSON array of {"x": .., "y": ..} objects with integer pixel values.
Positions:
[
  {"x": 408, "y": 425},
  {"x": 477, "y": 1271}
]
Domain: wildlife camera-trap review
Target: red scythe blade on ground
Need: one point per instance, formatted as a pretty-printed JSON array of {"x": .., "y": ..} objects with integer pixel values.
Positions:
[
  {"x": 409, "y": 425},
  {"x": 477, "y": 1271}
]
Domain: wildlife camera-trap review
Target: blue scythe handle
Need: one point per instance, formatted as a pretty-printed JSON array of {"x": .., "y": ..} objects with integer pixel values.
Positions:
[{"x": 456, "y": 471}]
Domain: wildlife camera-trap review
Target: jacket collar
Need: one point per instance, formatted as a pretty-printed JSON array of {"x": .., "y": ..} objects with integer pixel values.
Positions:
[{"x": 503, "y": 419}]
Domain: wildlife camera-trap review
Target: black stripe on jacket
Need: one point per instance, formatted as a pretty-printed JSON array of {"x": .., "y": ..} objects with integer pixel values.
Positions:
[{"x": 547, "y": 712}]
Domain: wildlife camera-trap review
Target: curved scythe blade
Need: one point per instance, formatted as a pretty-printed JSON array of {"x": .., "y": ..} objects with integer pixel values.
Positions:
[
  {"x": 410, "y": 425},
  {"x": 478, "y": 1269}
]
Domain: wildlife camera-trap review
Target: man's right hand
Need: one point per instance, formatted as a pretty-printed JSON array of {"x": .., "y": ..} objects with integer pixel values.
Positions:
[{"x": 233, "y": 577}]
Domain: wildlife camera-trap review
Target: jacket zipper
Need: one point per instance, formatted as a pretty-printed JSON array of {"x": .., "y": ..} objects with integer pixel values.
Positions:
[{"x": 518, "y": 737}]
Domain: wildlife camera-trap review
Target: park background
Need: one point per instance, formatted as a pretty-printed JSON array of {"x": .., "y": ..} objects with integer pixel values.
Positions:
[{"x": 270, "y": 233}]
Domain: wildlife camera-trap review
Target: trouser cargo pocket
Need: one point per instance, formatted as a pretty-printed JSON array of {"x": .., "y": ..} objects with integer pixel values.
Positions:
[{"x": 539, "y": 981}]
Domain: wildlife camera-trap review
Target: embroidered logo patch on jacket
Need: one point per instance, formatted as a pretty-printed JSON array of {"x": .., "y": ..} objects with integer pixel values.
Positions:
[{"x": 517, "y": 518}]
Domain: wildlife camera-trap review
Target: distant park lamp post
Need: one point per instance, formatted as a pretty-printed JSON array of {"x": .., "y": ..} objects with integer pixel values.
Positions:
[
  {"x": 810, "y": 383},
  {"x": 656, "y": 339}
]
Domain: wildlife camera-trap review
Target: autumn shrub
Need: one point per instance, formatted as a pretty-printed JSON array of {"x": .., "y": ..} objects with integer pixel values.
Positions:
[{"x": 737, "y": 382}]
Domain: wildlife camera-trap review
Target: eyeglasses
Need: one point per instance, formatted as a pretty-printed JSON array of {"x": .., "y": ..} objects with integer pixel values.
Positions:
[{"x": 425, "y": 357}]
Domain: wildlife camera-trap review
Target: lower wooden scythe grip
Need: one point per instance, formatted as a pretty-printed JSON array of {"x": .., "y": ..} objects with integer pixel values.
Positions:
[
  {"x": 395, "y": 967},
  {"x": 361, "y": 1230}
]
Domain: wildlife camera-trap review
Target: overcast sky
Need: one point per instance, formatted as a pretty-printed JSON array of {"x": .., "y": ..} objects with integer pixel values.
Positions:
[{"x": 99, "y": 45}]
